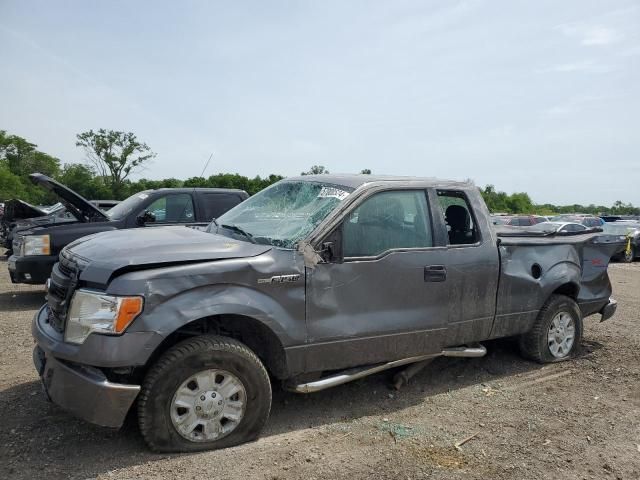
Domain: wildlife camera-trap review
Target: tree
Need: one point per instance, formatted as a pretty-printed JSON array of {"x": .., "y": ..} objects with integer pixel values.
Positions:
[
  {"x": 82, "y": 179},
  {"x": 365, "y": 171},
  {"x": 11, "y": 186},
  {"x": 22, "y": 158},
  {"x": 316, "y": 170},
  {"x": 114, "y": 155}
]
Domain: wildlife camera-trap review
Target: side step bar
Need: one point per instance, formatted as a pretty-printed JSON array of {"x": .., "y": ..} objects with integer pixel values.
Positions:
[
  {"x": 350, "y": 375},
  {"x": 473, "y": 351}
]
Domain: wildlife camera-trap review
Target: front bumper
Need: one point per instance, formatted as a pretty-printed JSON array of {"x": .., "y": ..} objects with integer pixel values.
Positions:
[
  {"x": 79, "y": 388},
  {"x": 31, "y": 269},
  {"x": 84, "y": 391},
  {"x": 608, "y": 310}
]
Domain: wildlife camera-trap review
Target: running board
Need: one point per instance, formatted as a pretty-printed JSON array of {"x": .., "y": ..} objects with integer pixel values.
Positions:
[
  {"x": 361, "y": 372},
  {"x": 473, "y": 351}
]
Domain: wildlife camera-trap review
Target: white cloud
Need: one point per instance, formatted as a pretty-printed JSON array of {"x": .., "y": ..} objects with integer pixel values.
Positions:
[
  {"x": 590, "y": 35},
  {"x": 584, "y": 66},
  {"x": 577, "y": 104}
]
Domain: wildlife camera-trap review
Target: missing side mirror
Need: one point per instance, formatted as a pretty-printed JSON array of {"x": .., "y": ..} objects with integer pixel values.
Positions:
[
  {"x": 331, "y": 247},
  {"x": 146, "y": 217}
]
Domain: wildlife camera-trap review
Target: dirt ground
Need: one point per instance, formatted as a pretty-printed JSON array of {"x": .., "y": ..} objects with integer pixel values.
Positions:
[{"x": 574, "y": 420}]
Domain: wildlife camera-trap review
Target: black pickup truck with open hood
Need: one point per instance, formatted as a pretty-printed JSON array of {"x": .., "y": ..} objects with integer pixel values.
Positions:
[{"x": 36, "y": 248}]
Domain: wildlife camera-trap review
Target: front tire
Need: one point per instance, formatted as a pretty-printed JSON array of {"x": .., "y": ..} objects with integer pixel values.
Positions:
[
  {"x": 629, "y": 255},
  {"x": 557, "y": 333},
  {"x": 204, "y": 393}
]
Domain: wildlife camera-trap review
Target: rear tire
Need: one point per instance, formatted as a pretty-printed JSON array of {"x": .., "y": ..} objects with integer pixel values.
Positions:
[
  {"x": 557, "y": 332},
  {"x": 173, "y": 418}
]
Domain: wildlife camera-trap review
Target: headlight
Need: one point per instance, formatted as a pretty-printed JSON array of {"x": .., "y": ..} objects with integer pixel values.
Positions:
[
  {"x": 96, "y": 312},
  {"x": 36, "y": 245}
]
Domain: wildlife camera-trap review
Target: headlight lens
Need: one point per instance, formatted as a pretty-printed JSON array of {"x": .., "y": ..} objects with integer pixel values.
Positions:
[
  {"x": 36, "y": 245},
  {"x": 96, "y": 312}
]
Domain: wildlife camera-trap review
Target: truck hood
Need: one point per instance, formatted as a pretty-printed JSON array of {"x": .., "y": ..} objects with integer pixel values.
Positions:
[
  {"x": 81, "y": 208},
  {"x": 107, "y": 252},
  {"x": 15, "y": 209}
]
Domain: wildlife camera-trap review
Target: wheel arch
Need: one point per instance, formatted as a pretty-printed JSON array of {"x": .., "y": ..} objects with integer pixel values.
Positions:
[
  {"x": 257, "y": 336},
  {"x": 568, "y": 289}
]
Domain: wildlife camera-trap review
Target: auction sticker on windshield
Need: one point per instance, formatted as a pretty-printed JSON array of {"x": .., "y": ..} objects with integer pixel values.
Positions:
[{"x": 332, "y": 192}]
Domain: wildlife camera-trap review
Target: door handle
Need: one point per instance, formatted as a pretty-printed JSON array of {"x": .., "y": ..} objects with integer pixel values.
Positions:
[{"x": 435, "y": 273}]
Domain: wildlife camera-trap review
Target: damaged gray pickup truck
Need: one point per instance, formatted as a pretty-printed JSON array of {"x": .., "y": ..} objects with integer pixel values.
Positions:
[{"x": 314, "y": 282}]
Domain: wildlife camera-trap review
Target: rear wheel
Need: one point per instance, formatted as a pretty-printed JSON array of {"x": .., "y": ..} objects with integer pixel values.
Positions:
[
  {"x": 204, "y": 393},
  {"x": 557, "y": 332}
]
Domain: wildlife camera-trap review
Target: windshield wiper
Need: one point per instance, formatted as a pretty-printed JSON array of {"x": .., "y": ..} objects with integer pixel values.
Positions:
[{"x": 237, "y": 229}]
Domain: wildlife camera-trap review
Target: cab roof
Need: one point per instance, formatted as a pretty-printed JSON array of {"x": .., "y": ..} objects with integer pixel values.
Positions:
[{"x": 356, "y": 180}]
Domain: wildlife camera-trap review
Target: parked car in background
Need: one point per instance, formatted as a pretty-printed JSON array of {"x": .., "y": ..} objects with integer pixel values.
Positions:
[
  {"x": 616, "y": 218},
  {"x": 315, "y": 281},
  {"x": 590, "y": 221},
  {"x": 36, "y": 248},
  {"x": 524, "y": 220},
  {"x": 560, "y": 227},
  {"x": 500, "y": 219},
  {"x": 629, "y": 232}
]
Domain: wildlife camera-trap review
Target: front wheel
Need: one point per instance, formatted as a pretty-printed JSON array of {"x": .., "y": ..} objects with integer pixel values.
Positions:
[
  {"x": 629, "y": 254},
  {"x": 204, "y": 393},
  {"x": 557, "y": 333}
]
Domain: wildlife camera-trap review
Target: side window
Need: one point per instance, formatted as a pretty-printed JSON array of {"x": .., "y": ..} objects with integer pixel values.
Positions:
[
  {"x": 173, "y": 208},
  {"x": 215, "y": 204},
  {"x": 387, "y": 220},
  {"x": 573, "y": 227},
  {"x": 461, "y": 225}
]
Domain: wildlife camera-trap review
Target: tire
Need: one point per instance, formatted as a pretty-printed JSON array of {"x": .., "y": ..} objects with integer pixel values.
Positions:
[
  {"x": 628, "y": 257},
  {"x": 214, "y": 359},
  {"x": 536, "y": 344}
]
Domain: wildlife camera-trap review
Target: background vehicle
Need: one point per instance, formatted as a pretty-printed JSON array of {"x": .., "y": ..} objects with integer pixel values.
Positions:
[
  {"x": 560, "y": 227},
  {"x": 524, "y": 220},
  {"x": 314, "y": 281},
  {"x": 36, "y": 248},
  {"x": 590, "y": 221},
  {"x": 500, "y": 219},
  {"x": 630, "y": 234}
]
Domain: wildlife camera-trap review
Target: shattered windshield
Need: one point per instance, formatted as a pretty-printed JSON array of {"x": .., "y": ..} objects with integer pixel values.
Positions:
[
  {"x": 122, "y": 209},
  {"x": 281, "y": 214}
]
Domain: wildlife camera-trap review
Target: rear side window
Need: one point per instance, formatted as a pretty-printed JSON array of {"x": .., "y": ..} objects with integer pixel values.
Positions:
[
  {"x": 173, "y": 208},
  {"x": 215, "y": 204},
  {"x": 461, "y": 225},
  {"x": 386, "y": 221},
  {"x": 573, "y": 227}
]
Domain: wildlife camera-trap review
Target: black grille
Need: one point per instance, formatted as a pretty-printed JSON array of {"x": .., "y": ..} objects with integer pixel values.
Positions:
[{"x": 63, "y": 281}]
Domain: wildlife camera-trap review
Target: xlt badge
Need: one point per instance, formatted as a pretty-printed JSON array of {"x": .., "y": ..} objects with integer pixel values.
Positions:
[{"x": 294, "y": 277}]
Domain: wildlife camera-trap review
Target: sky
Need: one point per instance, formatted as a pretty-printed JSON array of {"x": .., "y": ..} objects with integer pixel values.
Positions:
[{"x": 542, "y": 97}]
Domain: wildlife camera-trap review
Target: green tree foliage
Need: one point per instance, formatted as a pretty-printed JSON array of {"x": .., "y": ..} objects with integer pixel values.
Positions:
[
  {"x": 315, "y": 170},
  {"x": 83, "y": 179},
  {"x": 504, "y": 203},
  {"x": 114, "y": 155},
  {"x": 11, "y": 185},
  {"x": 19, "y": 158}
]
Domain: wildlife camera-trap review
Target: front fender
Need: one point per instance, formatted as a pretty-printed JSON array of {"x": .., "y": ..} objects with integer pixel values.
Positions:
[{"x": 209, "y": 300}]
